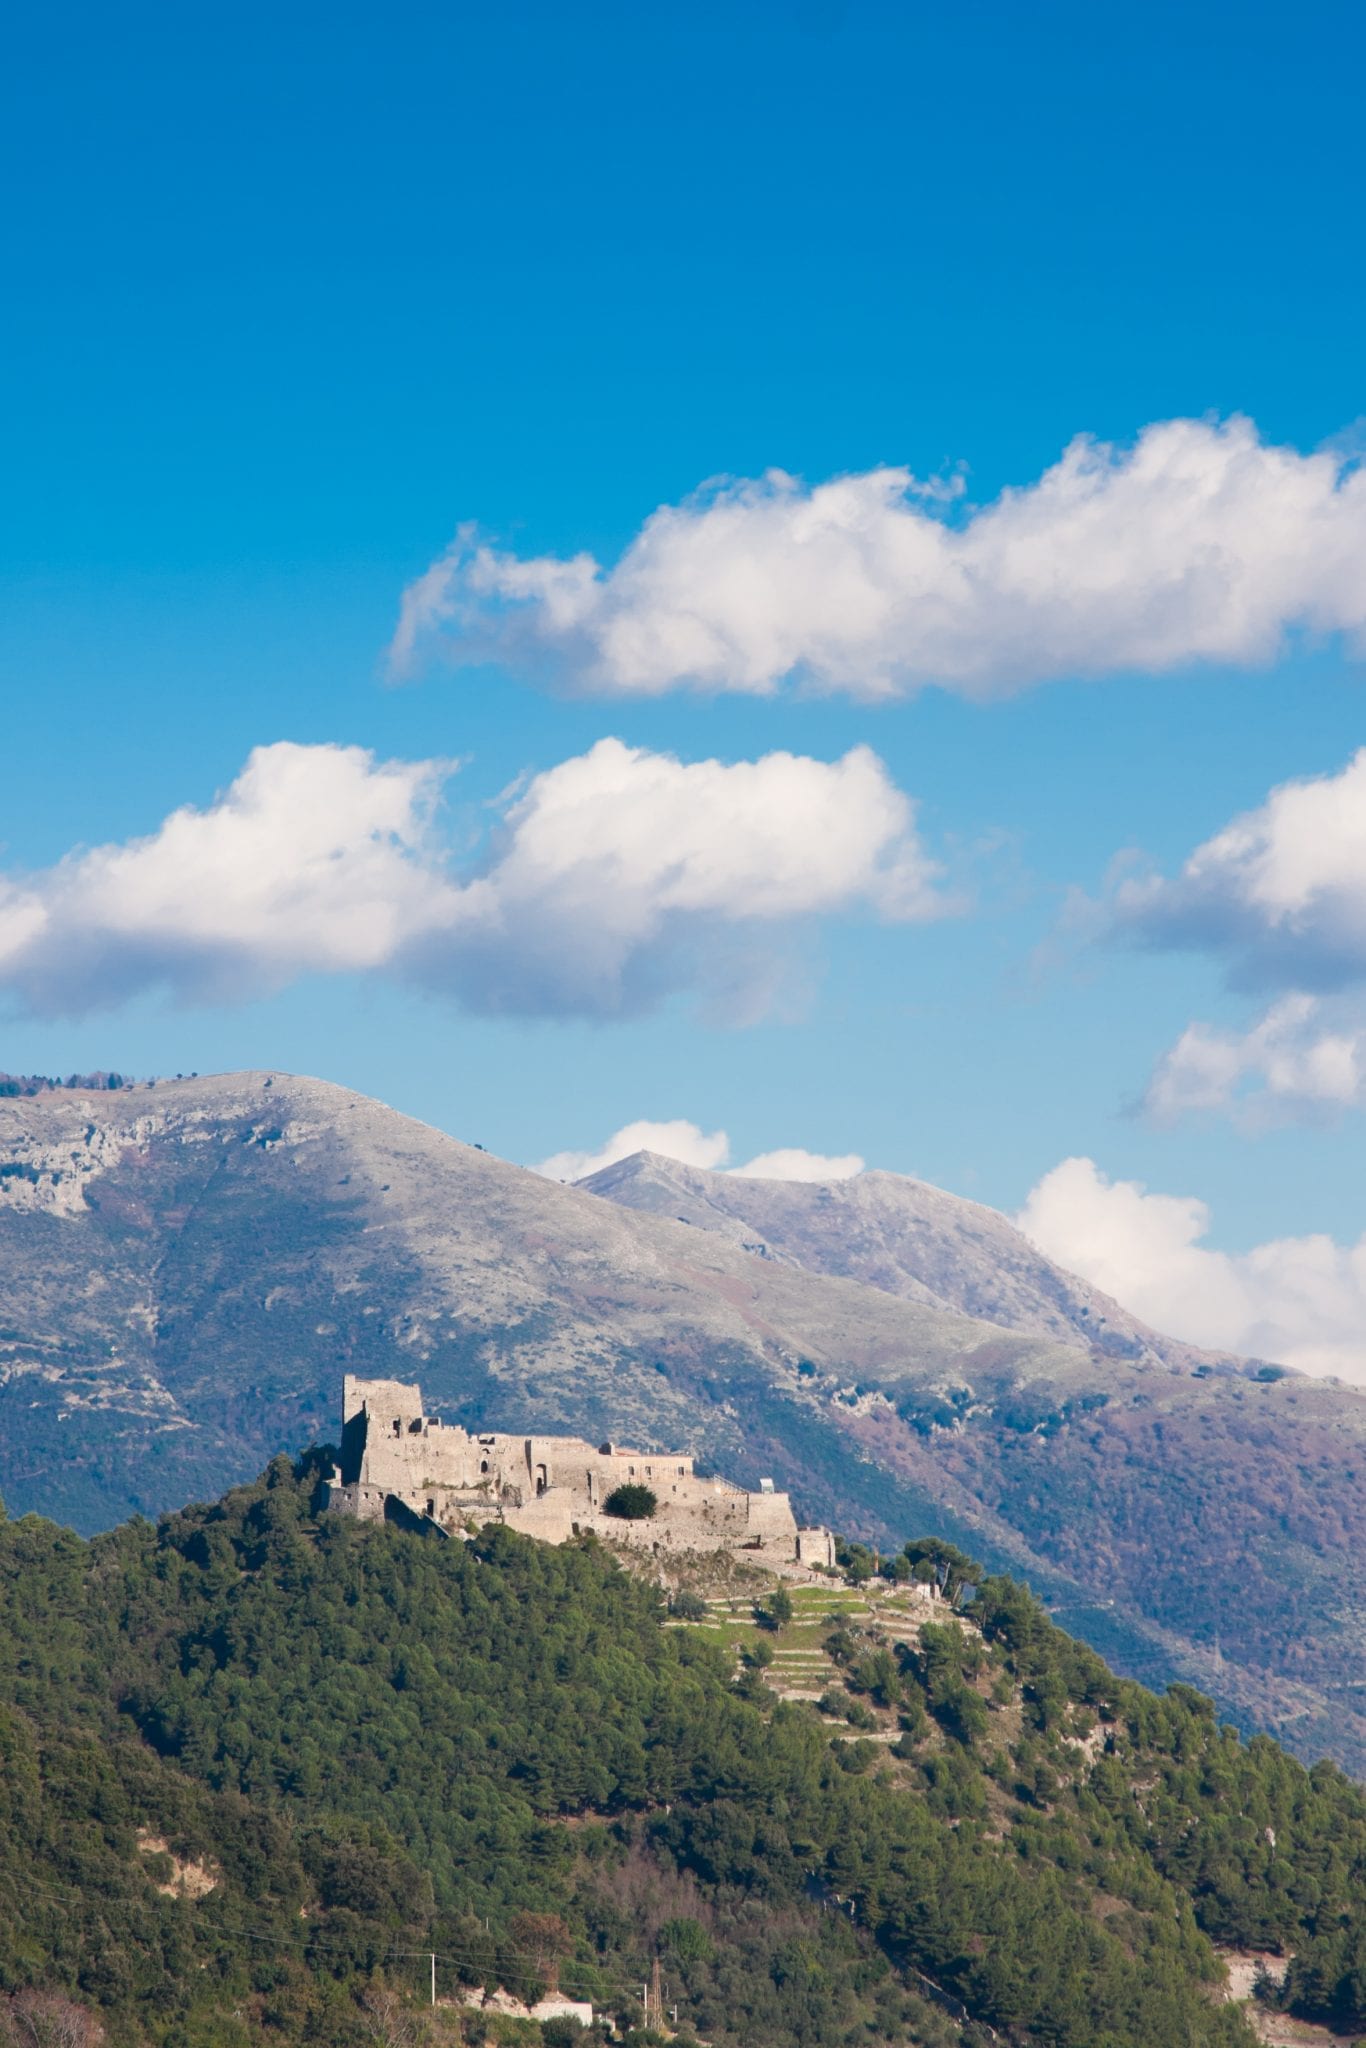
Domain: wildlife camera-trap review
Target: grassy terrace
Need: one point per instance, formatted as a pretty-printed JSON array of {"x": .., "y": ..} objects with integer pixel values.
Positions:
[{"x": 800, "y": 1667}]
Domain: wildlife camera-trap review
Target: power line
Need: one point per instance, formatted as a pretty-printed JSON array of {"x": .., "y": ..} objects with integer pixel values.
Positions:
[{"x": 499, "y": 1951}]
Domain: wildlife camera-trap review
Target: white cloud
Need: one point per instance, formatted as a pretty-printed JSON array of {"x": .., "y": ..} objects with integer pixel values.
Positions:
[
  {"x": 1280, "y": 890},
  {"x": 1299, "y": 1301},
  {"x": 792, "y": 1163},
  {"x": 1295, "y": 1060},
  {"x": 315, "y": 860},
  {"x": 677, "y": 1139},
  {"x": 690, "y": 1144},
  {"x": 610, "y": 881},
  {"x": 1279, "y": 894},
  {"x": 621, "y": 876},
  {"x": 1200, "y": 542}
]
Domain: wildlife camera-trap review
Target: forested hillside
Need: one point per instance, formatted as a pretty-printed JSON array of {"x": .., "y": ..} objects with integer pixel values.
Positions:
[
  {"x": 187, "y": 1268},
  {"x": 258, "y": 1766}
]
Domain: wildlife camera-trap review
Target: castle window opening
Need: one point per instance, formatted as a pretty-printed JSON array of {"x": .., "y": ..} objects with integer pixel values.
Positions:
[
  {"x": 415, "y": 1428},
  {"x": 398, "y": 1426},
  {"x": 483, "y": 1464},
  {"x": 542, "y": 1479},
  {"x": 431, "y": 1507}
]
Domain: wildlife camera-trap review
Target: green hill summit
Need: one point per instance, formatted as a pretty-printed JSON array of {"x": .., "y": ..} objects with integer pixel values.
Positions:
[{"x": 263, "y": 1764}]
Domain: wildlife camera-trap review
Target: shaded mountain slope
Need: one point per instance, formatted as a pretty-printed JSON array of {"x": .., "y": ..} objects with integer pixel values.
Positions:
[
  {"x": 905, "y": 1238},
  {"x": 187, "y": 1270}
]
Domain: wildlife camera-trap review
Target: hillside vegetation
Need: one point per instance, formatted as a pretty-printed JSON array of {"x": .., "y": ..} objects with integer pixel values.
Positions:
[
  {"x": 258, "y": 1765},
  {"x": 186, "y": 1269}
]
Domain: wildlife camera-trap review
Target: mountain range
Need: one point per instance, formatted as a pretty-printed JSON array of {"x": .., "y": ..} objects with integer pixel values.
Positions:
[
  {"x": 903, "y": 1237},
  {"x": 187, "y": 1268}
]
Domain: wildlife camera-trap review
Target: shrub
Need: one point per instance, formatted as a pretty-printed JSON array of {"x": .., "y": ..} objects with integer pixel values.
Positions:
[
  {"x": 856, "y": 1560},
  {"x": 687, "y": 1939},
  {"x": 631, "y": 1503},
  {"x": 776, "y": 1611}
]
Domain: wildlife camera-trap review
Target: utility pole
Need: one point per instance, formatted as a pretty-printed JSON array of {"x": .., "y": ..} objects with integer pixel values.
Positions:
[
  {"x": 433, "y": 1980},
  {"x": 656, "y": 1994}
]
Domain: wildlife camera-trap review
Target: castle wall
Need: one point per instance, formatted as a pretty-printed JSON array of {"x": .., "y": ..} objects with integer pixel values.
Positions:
[
  {"x": 816, "y": 1546},
  {"x": 366, "y": 1503},
  {"x": 548, "y": 1487},
  {"x": 549, "y": 1517},
  {"x": 380, "y": 1397}
]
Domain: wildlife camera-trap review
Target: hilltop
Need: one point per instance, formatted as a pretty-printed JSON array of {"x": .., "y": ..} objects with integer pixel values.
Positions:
[
  {"x": 265, "y": 1768},
  {"x": 187, "y": 1269}
]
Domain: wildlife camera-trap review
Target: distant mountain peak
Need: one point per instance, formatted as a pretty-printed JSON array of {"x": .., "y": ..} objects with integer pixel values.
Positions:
[
  {"x": 906, "y": 1238},
  {"x": 211, "y": 1254}
]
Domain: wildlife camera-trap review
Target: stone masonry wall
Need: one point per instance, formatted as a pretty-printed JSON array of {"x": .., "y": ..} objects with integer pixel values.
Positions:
[{"x": 549, "y": 1487}]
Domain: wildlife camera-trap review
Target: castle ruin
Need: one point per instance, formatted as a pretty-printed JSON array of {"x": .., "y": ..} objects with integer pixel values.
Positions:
[{"x": 398, "y": 1461}]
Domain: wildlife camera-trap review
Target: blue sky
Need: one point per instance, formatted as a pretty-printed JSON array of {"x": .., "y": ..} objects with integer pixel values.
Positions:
[{"x": 294, "y": 292}]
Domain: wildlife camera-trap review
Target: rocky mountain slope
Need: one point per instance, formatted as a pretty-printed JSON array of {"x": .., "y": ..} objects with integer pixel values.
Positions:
[
  {"x": 906, "y": 1238},
  {"x": 187, "y": 1269}
]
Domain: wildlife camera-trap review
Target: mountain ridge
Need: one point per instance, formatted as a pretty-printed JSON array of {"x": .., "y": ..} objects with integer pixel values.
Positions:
[
  {"x": 187, "y": 1269},
  {"x": 884, "y": 1230}
]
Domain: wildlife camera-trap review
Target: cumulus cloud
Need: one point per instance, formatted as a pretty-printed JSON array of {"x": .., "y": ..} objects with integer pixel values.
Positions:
[
  {"x": 1280, "y": 891},
  {"x": 676, "y": 1139},
  {"x": 1297, "y": 1059},
  {"x": 610, "y": 881},
  {"x": 691, "y": 1145},
  {"x": 621, "y": 876},
  {"x": 791, "y": 1162},
  {"x": 1299, "y": 1301},
  {"x": 1199, "y": 542},
  {"x": 315, "y": 860}
]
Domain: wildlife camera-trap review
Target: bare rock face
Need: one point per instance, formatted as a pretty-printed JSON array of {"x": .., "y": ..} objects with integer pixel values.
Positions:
[
  {"x": 187, "y": 1270},
  {"x": 905, "y": 1238}
]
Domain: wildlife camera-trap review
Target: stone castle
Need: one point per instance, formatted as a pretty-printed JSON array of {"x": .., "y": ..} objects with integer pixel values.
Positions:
[{"x": 399, "y": 1462}]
